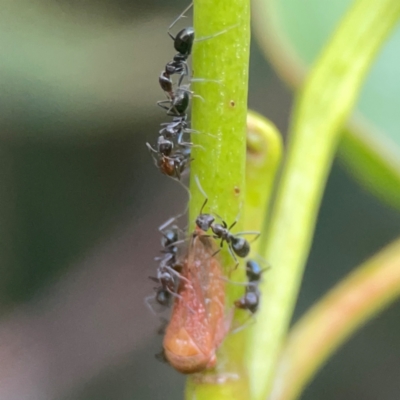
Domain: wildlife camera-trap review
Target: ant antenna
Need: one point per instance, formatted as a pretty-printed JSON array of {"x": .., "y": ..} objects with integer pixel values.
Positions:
[
  {"x": 189, "y": 197},
  {"x": 202, "y": 192},
  {"x": 178, "y": 18},
  {"x": 216, "y": 34}
]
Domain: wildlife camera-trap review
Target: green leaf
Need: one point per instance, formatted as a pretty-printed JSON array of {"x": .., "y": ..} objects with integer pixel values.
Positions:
[
  {"x": 292, "y": 33},
  {"x": 321, "y": 109}
]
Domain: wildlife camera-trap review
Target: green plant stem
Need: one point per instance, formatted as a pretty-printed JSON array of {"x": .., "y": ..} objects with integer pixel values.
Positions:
[
  {"x": 321, "y": 109},
  {"x": 366, "y": 291},
  {"x": 221, "y": 59},
  {"x": 264, "y": 154}
]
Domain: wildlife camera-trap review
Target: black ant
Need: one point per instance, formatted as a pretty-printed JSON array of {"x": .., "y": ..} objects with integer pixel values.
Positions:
[
  {"x": 251, "y": 298},
  {"x": 175, "y": 129},
  {"x": 169, "y": 137},
  {"x": 178, "y": 101},
  {"x": 168, "y": 272},
  {"x": 163, "y": 296},
  {"x": 173, "y": 164},
  {"x": 237, "y": 245},
  {"x": 183, "y": 43}
]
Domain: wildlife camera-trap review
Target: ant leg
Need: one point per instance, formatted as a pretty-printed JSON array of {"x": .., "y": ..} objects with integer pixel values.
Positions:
[
  {"x": 184, "y": 73},
  {"x": 250, "y": 321},
  {"x": 216, "y": 34},
  {"x": 177, "y": 274},
  {"x": 178, "y": 18},
  {"x": 257, "y": 233},
  {"x": 188, "y": 130},
  {"x": 176, "y": 295},
  {"x": 196, "y": 178},
  {"x": 214, "y": 254},
  {"x": 202, "y": 133},
  {"x": 263, "y": 261},
  {"x": 190, "y": 145},
  {"x": 233, "y": 282},
  {"x": 148, "y": 305},
  {"x": 163, "y": 326},
  {"x": 162, "y": 102},
  {"x": 181, "y": 241},
  {"x": 199, "y": 97},
  {"x": 153, "y": 153},
  {"x": 167, "y": 223},
  {"x": 177, "y": 172},
  {"x": 150, "y": 147},
  {"x": 171, "y": 111},
  {"x": 206, "y": 80},
  {"x": 234, "y": 257},
  {"x": 187, "y": 203},
  {"x": 161, "y": 355},
  {"x": 234, "y": 223}
]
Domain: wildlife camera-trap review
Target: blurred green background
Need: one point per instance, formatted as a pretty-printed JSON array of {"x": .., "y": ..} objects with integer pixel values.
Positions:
[{"x": 81, "y": 200}]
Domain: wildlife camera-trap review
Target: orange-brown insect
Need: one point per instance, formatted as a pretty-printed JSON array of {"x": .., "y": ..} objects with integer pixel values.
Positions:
[{"x": 198, "y": 323}]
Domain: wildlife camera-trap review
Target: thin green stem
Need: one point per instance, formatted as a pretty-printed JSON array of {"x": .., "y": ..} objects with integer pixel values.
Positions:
[
  {"x": 220, "y": 60},
  {"x": 365, "y": 292},
  {"x": 321, "y": 109}
]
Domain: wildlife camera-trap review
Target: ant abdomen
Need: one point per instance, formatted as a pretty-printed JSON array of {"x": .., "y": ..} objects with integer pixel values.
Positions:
[
  {"x": 240, "y": 246},
  {"x": 163, "y": 296},
  {"x": 250, "y": 300}
]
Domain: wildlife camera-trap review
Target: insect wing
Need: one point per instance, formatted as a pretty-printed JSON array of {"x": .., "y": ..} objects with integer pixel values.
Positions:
[{"x": 197, "y": 322}]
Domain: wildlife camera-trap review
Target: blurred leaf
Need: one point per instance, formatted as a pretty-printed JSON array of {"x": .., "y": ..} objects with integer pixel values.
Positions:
[
  {"x": 68, "y": 71},
  {"x": 292, "y": 33}
]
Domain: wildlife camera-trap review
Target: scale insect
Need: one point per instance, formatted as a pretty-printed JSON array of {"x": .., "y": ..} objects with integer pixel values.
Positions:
[{"x": 198, "y": 323}]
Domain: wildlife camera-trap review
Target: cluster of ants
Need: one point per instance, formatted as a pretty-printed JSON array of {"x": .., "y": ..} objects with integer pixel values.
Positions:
[
  {"x": 170, "y": 266},
  {"x": 172, "y": 154}
]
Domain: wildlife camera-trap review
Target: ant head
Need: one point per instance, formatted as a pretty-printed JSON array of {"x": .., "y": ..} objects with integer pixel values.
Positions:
[
  {"x": 184, "y": 41},
  {"x": 163, "y": 296},
  {"x": 253, "y": 271},
  {"x": 204, "y": 221},
  {"x": 240, "y": 246}
]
